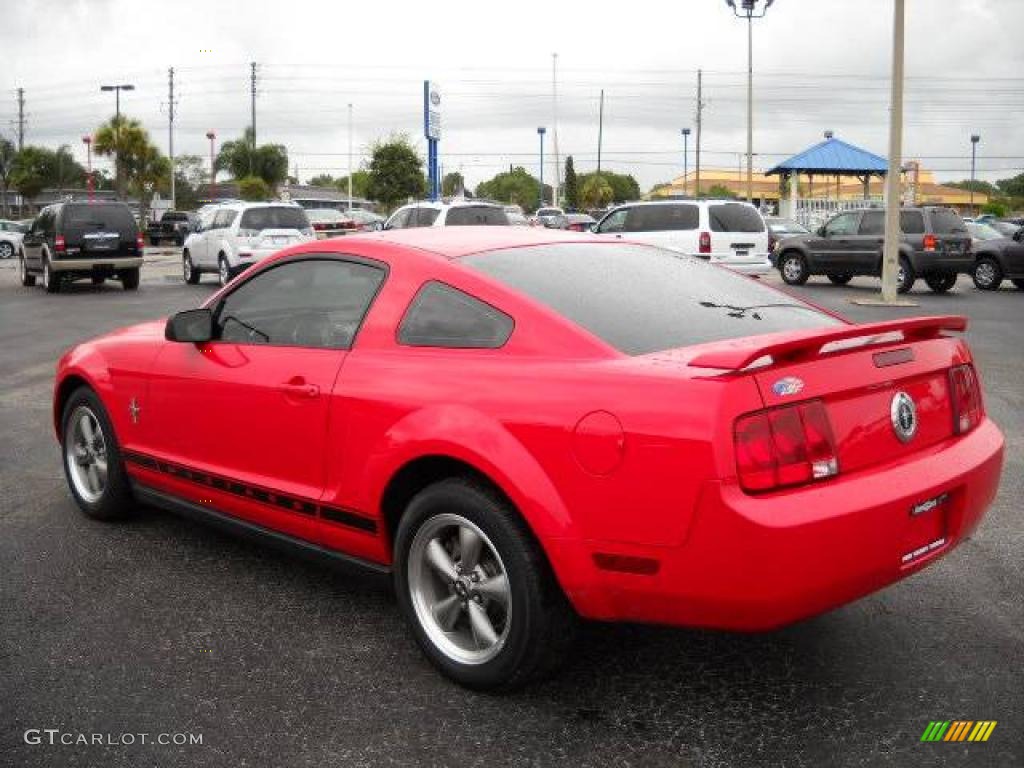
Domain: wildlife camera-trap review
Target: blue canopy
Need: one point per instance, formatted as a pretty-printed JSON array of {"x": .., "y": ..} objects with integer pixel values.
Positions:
[{"x": 833, "y": 157}]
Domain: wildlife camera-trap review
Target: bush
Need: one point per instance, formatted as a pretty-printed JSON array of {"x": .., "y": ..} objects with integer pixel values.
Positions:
[
  {"x": 994, "y": 208},
  {"x": 254, "y": 189}
]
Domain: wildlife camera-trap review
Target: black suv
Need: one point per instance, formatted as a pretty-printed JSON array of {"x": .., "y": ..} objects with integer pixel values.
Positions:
[
  {"x": 69, "y": 241},
  {"x": 935, "y": 245}
]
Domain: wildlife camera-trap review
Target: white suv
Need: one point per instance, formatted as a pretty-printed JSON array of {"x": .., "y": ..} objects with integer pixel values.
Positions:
[
  {"x": 724, "y": 232},
  {"x": 455, "y": 213},
  {"x": 233, "y": 236}
]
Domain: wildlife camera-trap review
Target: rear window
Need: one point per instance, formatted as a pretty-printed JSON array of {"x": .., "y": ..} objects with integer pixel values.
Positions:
[
  {"x": 641, "y": 299},
  {"x": 947, "y": 222},
  {"x": 476, "y": 215},
  {"x": 734, "y": 217},
  {"x": 662, "y": 218},
  {"x": 274, "y": 218},
  {"x": 912, "y": 222},
  {"x": 96, "y": 217}
]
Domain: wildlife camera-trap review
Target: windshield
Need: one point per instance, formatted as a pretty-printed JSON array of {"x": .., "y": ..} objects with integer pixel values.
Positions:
[
  {"x": 641, "y": 299},
  {"x": 983, "y": 232}
]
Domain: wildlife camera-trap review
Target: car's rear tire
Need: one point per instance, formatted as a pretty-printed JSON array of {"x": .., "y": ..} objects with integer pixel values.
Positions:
[
  {"x": 840, "y": 279},
  {"x": 223, "y": 270},
  {"x": 92, "y": 458},
  {"x": 987, "y": 275},
  {"x": 793, "y": 268},
  {"x": 1019, "y": 282},
  {"x": 27, "y": 279},
  {"x": 51, "y": 280},
  {"x": 6, "y": 250},
  {"x": 905, "y": 276},
  {"x": 189, "y": 273},
  {"x": 130, "y": 278},
  {"x": 942, "y": 282},
  {"x": 476, "y": 590}
]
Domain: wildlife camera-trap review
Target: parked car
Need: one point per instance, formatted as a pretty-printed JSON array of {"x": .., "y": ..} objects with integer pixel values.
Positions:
[
  {"x": 173, "y": 225},
  {"x": 724, "y": 232},
  {"x": 996, "y": 257},
  {"x": 366, "y": 221},
  {"x": 779, "y": 229},
  {"x": 1006, "y": 228},
  {"x": 517, "y": 219},
  {"x": 11, "y": 233},
  {"x": 232, "y": 237},
  {"x": 934, "y": 245},
  {"x": 520, "y": 427},
  {"x": 72, "y": 241},
  {"x": 552, "y": 218},
  {"x": 328, "y": 222},
  {"x": 580, "y": 222},
  {"x": 447, "y": 214}
]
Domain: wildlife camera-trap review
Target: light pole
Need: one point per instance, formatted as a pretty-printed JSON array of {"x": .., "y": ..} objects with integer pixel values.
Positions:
[
  {"x": 213, "y": 170},
  {"x": 117, "y": 128},
  {"x": 748, "y": 10},
  {"x": 686, "y": 142},
  {"x": 350, "y": 157},
  {"x": 975, "y": 138},
  {"x": 541, "y": 130},
  {"x": 87, "y": 140}
]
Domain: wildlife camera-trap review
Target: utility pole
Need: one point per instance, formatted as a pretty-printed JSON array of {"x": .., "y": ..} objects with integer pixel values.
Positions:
[
  {"x": 21, "y": 119},
  {"x": 554, "y": 127},
  {"x": 975, "y": 138},
  {"x": 350, "y": 156},
  {"x": 252, "y": 98},
  {"x": 686, "y": 144},
  {"x": 750, "y": 108},
  {"x": 170, "y": 128},
  {"x": 600, "y": 130},
  {"x": 890, "y": 251},
  {"x": 700, "y": 108}
]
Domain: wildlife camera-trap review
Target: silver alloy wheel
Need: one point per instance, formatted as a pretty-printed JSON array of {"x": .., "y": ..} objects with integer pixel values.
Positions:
[
  {"x": 792, "y": 268},
  {"x": 459, "y": 589},
  {"x": 985, "y": 273},
  {"x": 6, "y": 250},
  {"x": 900, "y": 275},
  {"x": 85, "y": 453},
  {"x": 186, "y": 267},
  {"x": 224, "y": 271}
]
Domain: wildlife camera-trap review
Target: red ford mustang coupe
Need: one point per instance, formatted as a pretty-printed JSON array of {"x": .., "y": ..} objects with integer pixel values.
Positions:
[{"x": 523, "y": 426}]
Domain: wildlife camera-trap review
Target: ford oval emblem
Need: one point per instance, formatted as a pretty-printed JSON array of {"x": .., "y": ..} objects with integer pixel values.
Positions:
[{"x": 787, "y": 386}]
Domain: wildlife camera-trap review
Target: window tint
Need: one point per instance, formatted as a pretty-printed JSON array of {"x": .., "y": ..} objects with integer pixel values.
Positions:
[
  {"x": 735, "y": 217},
  {"x": 946, "y": 222},
  {"x": 223, "y": 219},
  {"x": 426, "y": 217},
  {"x": 401, "y": 218},
  {"x": 641, "y": 299},
  {"x": 82, "y": 218},
  {"x": 476, "y": 215},
  {"x": 308, "y": 303},
  {"x": 872, "y": 223},
  {"x": 274, "y": 217},
  {"x": 442, "y": 316},
  {"x": 912, "y": 222},
  {"x": 614, "y": 221},
  {"x": 843, "y": 224},
  {"x": 662, "y": 218}
]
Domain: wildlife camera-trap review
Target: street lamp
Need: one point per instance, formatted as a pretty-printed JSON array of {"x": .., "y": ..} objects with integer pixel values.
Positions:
[
  {"x": 748, "y": 10},
  {"x": 87, "y": 140},
  {"x": 541, "y": 130},
  {"x": 213, "y": 171},
  {"x": 117, "y": 127},
  {"x": 975, "y": 138},
  {"x": 686, "y": 141}
]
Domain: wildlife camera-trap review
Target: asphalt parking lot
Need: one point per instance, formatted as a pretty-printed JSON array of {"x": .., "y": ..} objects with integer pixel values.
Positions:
[{"x": 163, "y": 625}]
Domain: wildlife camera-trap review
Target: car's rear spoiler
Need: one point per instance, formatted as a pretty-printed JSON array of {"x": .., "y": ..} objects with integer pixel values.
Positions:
[{"x": 739, "y": 353}]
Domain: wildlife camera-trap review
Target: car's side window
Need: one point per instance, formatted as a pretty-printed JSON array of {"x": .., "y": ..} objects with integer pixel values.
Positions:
[
  {"x": 843, "y": 224},
  {"x": 223, "y": 219},
  {"x": 614, "y": 221},
  {"x": 308, "y": 303},
  {"x": 872, "y": 223},
  {"x": 401, "y": 219},
  {"x": 425, "y": 217},
  {"x": 443, "y": 316}
]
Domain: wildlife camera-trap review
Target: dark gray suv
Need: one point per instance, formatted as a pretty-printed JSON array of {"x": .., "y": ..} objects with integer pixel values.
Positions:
[{"x": 935, "y": 246}]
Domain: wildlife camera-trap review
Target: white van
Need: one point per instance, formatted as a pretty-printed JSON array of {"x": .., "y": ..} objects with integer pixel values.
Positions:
[{"x": 726, "y": 232}]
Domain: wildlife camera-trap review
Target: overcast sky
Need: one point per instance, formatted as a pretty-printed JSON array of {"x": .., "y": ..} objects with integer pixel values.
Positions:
[{"x": 819, "y": 64}]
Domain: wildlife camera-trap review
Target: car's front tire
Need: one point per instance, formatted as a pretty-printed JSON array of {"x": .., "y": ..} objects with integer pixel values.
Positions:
[
  {"x": 988, "y": 275},
  {"x": 476, "y": 590},
  {"x": 27, "y": 279},
  {"x": 6, "y": 250},
  {"x": 130, "y": 279},
  {"x": 189, "y": 273},
  {"x": 223, "y": 270},
  {"x": 793, "y": 268},
  {"x": 92, "y": 458}
]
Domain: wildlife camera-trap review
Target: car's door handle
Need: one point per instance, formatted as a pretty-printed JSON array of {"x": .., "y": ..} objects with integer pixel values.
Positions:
[{"x": 300, "y": 389}]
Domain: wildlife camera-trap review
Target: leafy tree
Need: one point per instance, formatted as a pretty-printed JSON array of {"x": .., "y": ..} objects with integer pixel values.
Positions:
[
  {"x": 33, "y": 170},
  {"x": 323, "y": 180},
  {"x": 189, "y": 173},
  {"x": 985, "y": 187},
  {"x": 514, "y": 186},
  {"x": 1012, "y": 187},
  {"x": 8, "y": 154},
  {"x": 253, "y": 188},
  {"x": 360, "y": 184},
  {"x": 718, "y": 190},
  {"x": 994, "y": 207},
  {"x": 453, "y": 184},
  {"x": 571, "y": 187},
  {"x": 123, "y": 138},
  {"x": 396, "y": 172},
  {"x": 596, "y": 191},
  {"x": 624, "y": 187},
  {"x": 268, "y": 161}
]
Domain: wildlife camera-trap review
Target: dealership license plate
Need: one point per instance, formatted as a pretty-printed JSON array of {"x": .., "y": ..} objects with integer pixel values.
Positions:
[{"x": 926, "y": 529}]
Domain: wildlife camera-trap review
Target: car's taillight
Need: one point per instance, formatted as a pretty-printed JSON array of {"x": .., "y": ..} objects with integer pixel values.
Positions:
[
  {"x": 930, "y": 242},
  {"x": 705, "y": 242},
  {"x": 59, "y": 244},
  {"x": 965, "y": 394},
  {"x": 785, "y": 446},
  {"x": 140, "y": 244},
  {"x": 319, "y": 226}
]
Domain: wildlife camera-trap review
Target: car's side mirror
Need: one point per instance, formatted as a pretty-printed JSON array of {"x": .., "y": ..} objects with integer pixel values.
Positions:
[
  {"x": 593, "y": 227},
  {"x": 192, "y": 325}
]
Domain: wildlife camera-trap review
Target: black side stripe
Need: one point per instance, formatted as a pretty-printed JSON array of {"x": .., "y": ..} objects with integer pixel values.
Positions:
[{"x": 271, "y": 498}]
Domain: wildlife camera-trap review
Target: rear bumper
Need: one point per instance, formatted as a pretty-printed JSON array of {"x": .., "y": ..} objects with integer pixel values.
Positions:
[
  {"x": 754, "y": 266},
  {"x": 925, "y": 263},
  {"x": 756, "y": 563},
  {"x": 96, "y": 263}
]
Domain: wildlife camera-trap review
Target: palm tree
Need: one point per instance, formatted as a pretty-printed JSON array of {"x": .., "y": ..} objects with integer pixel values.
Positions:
[
  {"x": 124, "y": 138},
  {"x": 7, "y": 155}
]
